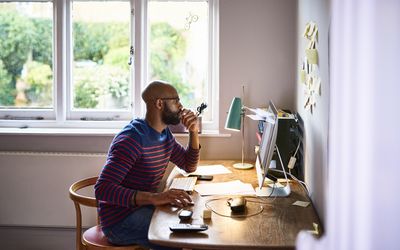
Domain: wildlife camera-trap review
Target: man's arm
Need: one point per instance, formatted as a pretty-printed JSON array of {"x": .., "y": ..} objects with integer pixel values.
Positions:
[
  {"x": 122, "y": 156},
  {"x": 190, "y": 121},
  {"x": 173, "y": 197},
  {"x": 187, "y": 159}
]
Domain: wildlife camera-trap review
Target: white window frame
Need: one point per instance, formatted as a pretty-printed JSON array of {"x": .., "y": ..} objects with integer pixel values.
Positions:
[
  {"x": 93, "y": 114},
  {"x": 61, "y": 117}
]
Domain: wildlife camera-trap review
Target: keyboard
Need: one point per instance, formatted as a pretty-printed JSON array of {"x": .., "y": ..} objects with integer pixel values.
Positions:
[{"x": 184, "y": 183}]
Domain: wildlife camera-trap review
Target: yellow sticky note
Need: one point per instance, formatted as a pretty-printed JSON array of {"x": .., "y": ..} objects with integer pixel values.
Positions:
[
  {"x": 301, "y": 203},
  {"x": 311, "y": 29},
  {"x": 312, "y": 56},
  {"x": 302, "y": 76},
  {"x": 306, "y": 30}
]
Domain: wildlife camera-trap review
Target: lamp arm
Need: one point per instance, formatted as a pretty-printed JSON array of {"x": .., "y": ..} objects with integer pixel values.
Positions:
[{"x": 244, "y": 108}]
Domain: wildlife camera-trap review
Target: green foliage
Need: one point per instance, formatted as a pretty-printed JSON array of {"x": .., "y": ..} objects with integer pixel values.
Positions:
[
  {"x": 93, "y": 82},
  {"x": 42, "y": 42},
  {"x": 29, "y": 41},
  {"x": 39, "y": 80},
  {"x": 86, "y": 87},
  {"x": 7, "y": 91},
  {"x": 167, "y": 48},
  {"x": 119, "y": 34},
  {"x": 86, "y": 95},
  {"x": 92, "y": 41},
  {"x": 118, "y": 83},
  {"x": 16, "y": 34},
  {"x": 118, "y": 57}
]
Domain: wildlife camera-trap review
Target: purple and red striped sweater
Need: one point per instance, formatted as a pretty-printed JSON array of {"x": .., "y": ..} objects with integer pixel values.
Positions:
[{"x": 137, "y": 159}]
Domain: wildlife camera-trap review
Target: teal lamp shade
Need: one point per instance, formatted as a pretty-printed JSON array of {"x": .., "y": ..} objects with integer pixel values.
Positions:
[{"x": 233, "y": 120}]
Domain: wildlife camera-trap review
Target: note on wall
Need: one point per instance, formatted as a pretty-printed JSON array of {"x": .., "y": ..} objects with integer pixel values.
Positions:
[{"x": 309, "y": 72}]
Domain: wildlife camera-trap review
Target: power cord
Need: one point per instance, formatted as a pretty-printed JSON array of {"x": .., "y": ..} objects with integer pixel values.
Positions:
[
  {"x": 293, "y": 159},
  {"x": 302, "y": 183}
]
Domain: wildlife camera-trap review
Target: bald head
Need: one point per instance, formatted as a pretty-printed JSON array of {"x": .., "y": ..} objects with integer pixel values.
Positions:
[{"x": 157, "y": 89}]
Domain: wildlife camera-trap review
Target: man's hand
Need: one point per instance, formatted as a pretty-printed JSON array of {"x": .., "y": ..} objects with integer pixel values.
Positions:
[
  {"x": 189, "y": 120},
  {"x": 175, "y": 197}
]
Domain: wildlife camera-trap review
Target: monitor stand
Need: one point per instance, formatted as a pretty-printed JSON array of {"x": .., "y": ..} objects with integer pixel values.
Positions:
[{"x": 276, "y": 189}]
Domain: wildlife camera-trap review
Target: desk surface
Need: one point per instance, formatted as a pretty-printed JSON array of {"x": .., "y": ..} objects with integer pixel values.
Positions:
[{"x": 276, "y": 227}]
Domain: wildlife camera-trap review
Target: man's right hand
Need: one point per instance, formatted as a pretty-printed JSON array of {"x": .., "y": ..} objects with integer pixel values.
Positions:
[{"x": 174, "y": 197}]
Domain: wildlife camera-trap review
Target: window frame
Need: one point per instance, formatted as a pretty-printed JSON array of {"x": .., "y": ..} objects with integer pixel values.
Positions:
[{"x": 61, "y": 116}]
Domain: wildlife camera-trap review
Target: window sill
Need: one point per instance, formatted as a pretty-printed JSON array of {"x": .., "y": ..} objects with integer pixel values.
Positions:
[{"x": 88, "y": 132}]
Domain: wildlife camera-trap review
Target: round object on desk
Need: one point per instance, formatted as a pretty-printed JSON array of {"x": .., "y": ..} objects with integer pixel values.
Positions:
[{"x": 243, "y": 165}]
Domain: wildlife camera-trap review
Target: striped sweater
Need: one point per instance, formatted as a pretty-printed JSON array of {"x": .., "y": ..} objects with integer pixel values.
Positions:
[{"x": 137, "y": 159}]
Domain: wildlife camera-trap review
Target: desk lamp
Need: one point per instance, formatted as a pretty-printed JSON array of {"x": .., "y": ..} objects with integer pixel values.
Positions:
[{"x": 235, "y": 122}]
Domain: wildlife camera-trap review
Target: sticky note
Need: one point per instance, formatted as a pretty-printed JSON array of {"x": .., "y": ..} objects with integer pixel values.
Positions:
[
  {"x": 312, "y": 56},
  {"x": 311, "y": 29},
  {"x": 302, "y": 76},
  {"x": 301, "y": 203},
  {"x": 306, "y": 30},
  {"x": 316, "y": 229}
]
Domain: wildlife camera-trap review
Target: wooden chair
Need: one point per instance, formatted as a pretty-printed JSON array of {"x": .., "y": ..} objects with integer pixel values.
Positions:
[{"x": 93, "y": 238}]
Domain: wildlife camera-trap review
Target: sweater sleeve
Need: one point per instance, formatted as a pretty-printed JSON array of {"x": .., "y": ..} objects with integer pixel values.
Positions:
[
  {"x": 185, "y": 159},
  {"x": 122, "y": 155}
]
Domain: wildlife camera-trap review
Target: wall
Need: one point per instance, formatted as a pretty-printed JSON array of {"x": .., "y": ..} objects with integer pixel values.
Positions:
[
  {"x": 315, "y": 123},
  {"x": 257, "y": 48}
]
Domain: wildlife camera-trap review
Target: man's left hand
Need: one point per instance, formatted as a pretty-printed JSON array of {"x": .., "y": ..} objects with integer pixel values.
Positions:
[{"x": 189, "y": 120}]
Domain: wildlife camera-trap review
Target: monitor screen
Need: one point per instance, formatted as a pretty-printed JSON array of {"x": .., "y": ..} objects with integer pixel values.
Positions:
[{"x": 267, "y": 145}]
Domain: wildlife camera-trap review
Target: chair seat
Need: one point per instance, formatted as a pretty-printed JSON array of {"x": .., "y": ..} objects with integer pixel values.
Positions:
[{"x": 94, "y": 236}]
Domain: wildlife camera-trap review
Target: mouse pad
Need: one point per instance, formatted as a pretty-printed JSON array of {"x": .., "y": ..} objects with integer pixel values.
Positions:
[{"x": 220, "y": 207}]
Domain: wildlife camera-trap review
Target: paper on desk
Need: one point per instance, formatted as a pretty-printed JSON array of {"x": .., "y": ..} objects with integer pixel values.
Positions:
[
  {"x": 207, "y": 170},
  {"x": 225, "y": 188},
  {"x": 301, "y": 203}
]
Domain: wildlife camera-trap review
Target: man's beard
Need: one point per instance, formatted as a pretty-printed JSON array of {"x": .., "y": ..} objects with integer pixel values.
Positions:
[{"x": 169, "y": 117}]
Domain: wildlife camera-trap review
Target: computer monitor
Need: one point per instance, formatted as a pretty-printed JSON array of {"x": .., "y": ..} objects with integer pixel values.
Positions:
[{"x": 264, "y": 157}]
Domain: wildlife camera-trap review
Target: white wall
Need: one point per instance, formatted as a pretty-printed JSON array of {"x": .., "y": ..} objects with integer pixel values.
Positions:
[
  {"x": 315, "y": 123},
  {"x": 257, "y": 48},
  {"x": 364, "y": 139}
]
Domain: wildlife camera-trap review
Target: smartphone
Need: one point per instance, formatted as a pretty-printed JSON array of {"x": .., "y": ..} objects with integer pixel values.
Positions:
[{"x": 202, "y": 177}]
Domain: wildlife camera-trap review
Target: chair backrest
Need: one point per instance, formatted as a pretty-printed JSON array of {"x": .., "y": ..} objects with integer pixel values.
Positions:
[{"x": 78, "y": 200}]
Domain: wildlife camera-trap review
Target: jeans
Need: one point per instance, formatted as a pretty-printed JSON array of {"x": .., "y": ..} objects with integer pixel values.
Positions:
[{"x": 133, "y": 229}]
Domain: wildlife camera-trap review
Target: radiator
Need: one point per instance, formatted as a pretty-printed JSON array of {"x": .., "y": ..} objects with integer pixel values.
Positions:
[{"x": 34, "y": 187}]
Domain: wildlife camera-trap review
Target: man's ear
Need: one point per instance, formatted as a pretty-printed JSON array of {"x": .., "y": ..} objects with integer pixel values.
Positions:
[{"x": 159, "y": 104}]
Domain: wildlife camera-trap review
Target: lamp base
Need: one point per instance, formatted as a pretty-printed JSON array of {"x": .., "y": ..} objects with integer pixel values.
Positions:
[{"x": 242, "y": 165}]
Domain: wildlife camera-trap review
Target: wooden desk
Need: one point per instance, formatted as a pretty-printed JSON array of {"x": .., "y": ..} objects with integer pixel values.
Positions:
[{"x": 276, "y": 227}]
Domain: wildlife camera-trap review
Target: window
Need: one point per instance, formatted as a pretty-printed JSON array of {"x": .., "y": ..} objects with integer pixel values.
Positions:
[
  {"x": 90, "y": 65},
  {"x": 26, "y": 57}
]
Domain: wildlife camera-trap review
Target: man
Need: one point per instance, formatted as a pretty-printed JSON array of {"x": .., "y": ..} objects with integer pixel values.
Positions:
[{"x": 136, "y": 162}]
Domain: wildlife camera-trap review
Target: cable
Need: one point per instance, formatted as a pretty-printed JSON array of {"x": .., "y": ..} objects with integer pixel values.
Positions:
[
  {"x": 298, "y": 146},
  {"x": 292, "y": 159},
  {"x": 303, "y": 184}
]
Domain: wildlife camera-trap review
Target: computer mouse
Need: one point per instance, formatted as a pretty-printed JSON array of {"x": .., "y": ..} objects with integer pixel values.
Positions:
[{"x": 237, "y": 204}]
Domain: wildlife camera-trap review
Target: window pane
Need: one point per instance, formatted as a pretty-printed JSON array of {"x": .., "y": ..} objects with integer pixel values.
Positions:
[
  {"x": 26, "y": 55},
  {"x": 101, "y": 52},
  {"x": 178, "y": 44}
]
